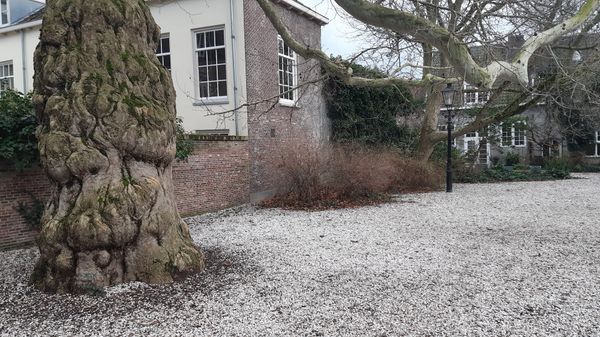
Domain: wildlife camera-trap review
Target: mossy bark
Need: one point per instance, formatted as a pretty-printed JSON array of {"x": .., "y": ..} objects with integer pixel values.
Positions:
[{"x": 107, "y": 142}]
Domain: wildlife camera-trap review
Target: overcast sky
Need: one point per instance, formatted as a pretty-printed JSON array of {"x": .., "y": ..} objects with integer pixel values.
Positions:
[{"x": 336, "y": 35}]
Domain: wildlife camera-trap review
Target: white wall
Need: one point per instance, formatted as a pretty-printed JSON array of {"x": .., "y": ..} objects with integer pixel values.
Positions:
[
  {"x": 11, "y": 50},
  {"x": 179, "y": 19}
]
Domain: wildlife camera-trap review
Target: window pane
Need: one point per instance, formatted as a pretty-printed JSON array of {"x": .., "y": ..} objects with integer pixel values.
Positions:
[
  {"x": 212, "y": 73},
  {"x": 166, "y": 45},
  {"x": 203, "y": 90},
  {"x": 221, "y": 55},
  {"x": 202, "y": 58},
  {"x": 210, "y": 39},
  {"x": 203, "y": 74},
  {"x": 222, "y": 88},
  {"x": 200, "y": 40},
  {"x": 220, "y": 37},
  {"x": 167, "y": 61},
  {"x": 212, "y": 89},
  {"x": 212, "y": 57},
  {"x": 506, "y": 136},
  {"x": 222, "y": 75}
]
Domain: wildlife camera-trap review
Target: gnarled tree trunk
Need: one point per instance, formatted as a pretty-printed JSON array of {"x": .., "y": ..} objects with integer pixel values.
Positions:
[{"x": 107, "y": 142}]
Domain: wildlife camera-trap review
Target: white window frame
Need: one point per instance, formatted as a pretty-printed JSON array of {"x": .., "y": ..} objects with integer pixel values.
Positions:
[
  {"x": 7, "y": 12},
  {"x": 197, "y": 83},
  {"x": 477, "y": 138},
  {"x": 7, "y": 74},
  {"x": 162, "y": 53},
  {"x": 287, "y": 89},
  {"x": 513, "y": 135},
  {"x": 478, "y": 97}
]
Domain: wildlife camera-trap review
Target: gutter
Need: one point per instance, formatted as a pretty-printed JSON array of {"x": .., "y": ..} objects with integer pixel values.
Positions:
[
  {"x": 233, "y": 64},
  {"x": 21, "y": 26},
  {"x": 24, "y": 61}
]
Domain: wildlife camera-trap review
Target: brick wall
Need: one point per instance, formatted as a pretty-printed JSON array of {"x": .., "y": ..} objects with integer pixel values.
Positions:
[
  {"x": 216, "y": 176},
  {"x": 270, "y": 125},
  {"x": 18, "y": 187}
]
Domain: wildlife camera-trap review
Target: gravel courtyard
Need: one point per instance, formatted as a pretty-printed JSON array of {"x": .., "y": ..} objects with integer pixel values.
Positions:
[{"x": 512, "y": 259}]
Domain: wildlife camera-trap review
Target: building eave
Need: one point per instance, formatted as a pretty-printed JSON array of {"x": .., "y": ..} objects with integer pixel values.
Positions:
[
  {"x": 21, "y": 26},
  {"x": 303, "y": 10}
]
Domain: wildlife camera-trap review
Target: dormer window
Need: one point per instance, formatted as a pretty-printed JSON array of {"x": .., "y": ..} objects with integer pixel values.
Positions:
[{"x": 3, "y": 12}]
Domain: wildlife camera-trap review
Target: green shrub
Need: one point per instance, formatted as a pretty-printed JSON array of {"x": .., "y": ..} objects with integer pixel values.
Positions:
[
  {"x": 557, "y": 168},
  {"x": 512, "y": 159},
  {"x": 185, "y": 146},
  {"x": 500, "y": 174},
  {"x": 18, "y": 143}
]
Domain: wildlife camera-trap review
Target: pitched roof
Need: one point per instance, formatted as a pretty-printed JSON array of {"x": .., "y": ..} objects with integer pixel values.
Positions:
[{"x": 33, "y": 16}]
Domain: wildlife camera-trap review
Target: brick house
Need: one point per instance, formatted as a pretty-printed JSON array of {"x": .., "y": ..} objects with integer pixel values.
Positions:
[
  {"x": 240, "y": 90},
  {"x": 532, "y": 134},
  {"x": 233, "y": 75}
]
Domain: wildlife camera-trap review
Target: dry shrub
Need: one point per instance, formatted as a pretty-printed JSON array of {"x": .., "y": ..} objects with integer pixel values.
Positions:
[{"x": 312, "y": 176}]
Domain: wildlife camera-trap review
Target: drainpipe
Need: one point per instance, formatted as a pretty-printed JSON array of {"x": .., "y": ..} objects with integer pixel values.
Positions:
[
  {"x": 24, "y": 61},
  {"x": 233, "y": 63}
]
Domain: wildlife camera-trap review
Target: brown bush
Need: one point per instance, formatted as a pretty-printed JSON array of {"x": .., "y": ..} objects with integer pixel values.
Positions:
[{"x": 328, "y": 176}]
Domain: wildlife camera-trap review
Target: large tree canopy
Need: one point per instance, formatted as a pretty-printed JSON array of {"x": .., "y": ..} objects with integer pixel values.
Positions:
[{"x": 450, "y": 28}]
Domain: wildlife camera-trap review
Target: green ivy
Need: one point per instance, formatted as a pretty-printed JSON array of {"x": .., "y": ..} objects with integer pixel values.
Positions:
[
  {"x": 369, "y": 114},
  {"x": 18, "y": 144},
  {"x": 185, "y": 146}
]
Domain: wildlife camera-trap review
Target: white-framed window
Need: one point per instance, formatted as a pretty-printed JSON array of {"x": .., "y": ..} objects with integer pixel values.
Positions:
[
  {"x": 288, "y": 73},
  {"x": 3, "y": 12},
  {"x": 163, "y": 51},
  {"x": 597, "y": 137},
  {"x": 476, "y": 144},
  {"x": 211, "y": 62},
  {"x": 474, "y": 97},
  {"x": 7, "y": 76},
  {"x": 513, "y": 134}
]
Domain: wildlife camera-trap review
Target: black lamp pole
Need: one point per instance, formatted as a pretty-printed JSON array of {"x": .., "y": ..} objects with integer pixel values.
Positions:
[{"x": 448, "y": 95}]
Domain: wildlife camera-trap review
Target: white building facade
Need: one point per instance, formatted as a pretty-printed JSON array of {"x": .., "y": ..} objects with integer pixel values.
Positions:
[{"x": 203, "y": 43}]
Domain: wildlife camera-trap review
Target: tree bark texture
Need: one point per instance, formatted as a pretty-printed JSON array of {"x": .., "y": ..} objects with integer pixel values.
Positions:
[{"x": 107, "y": 142}]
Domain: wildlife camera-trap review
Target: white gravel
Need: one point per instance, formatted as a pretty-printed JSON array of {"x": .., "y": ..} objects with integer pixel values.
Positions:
[{"x": 512, "y": 259}]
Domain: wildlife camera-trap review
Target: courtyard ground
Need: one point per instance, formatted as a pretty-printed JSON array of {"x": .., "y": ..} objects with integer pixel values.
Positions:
[{"x": 510, "y": 259}]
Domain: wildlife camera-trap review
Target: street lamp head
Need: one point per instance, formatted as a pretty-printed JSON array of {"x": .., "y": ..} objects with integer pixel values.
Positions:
[{"x": 448, "y": 95}]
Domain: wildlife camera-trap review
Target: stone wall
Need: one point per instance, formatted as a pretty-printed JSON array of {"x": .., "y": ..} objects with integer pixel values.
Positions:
[
  {"x": 271, "y": 125},
  {"x": 215, "y": 176}
]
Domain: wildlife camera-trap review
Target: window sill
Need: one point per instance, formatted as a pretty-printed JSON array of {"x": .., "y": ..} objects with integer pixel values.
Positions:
[
  {"x": 211, "y": 101},
  {"x": 289, "y": 104}
]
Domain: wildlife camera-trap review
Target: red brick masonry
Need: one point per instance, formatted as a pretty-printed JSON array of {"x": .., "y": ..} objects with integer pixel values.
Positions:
[{"x": 216, "y": 176}]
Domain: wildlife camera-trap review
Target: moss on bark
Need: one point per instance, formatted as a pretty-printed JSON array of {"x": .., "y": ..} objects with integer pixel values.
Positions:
[{"x": 107, "y": 141}]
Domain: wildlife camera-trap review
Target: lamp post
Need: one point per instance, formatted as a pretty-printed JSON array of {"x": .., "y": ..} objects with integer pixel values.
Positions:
[{"x": 448, "y": 95}]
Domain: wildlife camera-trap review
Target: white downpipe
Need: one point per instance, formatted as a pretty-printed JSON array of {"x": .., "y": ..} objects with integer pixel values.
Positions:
[
  {"x": 24, "y": 61},
  {"x": 233, "y": 63}
]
